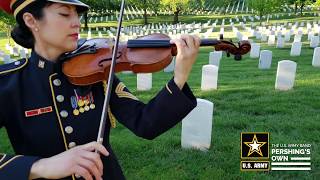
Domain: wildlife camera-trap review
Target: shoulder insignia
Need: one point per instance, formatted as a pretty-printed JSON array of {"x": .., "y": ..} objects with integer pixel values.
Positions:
[
  {"x": 14, "y": 66},
  {"x": 120, "y": 91}
]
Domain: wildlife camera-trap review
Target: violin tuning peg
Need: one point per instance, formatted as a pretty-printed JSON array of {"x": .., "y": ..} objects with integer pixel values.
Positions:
[
  {"x": 237, "y": 57},
  {"x": 221, "y": 36}
]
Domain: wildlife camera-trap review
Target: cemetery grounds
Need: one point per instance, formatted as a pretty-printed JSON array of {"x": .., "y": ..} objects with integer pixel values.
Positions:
[{"x": 246, "y": 101}]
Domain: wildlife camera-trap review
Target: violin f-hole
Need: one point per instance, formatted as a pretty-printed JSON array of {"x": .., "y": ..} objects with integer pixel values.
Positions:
[{"x": 100, "y": 64}]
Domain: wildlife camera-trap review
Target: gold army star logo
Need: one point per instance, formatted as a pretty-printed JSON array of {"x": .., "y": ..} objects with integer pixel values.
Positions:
[{"x": 255, "y": 146}]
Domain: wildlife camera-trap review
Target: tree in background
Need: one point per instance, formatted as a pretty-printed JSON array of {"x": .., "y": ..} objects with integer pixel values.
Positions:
[
  {"x": 145, "y": 5},
  {"x": 300, "y": 4},
  {"x": 100, "y": 5},
  {"x": 197, "y": 4},
  {"x": 175, "y": 6},
  {"x": 265, "y": 7},
  {"x": 223, "y": 4},
  {"x": 6, "y": 22},
  {"x": 155, "y": 5}
]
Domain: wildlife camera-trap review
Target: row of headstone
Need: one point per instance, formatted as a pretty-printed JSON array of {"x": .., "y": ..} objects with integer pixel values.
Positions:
[
  {"x": 196, "y": 129},
  {"x": 210, "y": 72}
]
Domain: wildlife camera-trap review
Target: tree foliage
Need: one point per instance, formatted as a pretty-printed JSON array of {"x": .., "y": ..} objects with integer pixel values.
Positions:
[
  {"x": 145, "y": 5},
  {"x": 6, "y": 22},
  {"x": 175, "y": 6},
  {"x": 265, "y": 7},
  {"x": 223, "y": 4},
  {"x": 300, "y": 4}
]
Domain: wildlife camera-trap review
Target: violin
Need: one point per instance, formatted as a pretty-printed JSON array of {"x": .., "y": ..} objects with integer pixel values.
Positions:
[{"x": 90, "y": 63}]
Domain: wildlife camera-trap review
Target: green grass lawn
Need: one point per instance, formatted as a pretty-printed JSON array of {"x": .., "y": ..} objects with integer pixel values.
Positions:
[{"x": 245, "y": 101}]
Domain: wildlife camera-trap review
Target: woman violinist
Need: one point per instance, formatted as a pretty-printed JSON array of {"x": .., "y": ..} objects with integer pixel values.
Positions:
[{"x": 53, "y": 124}]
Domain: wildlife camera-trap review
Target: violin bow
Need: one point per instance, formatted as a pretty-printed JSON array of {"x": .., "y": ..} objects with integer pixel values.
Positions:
[{"x": 110, "y": 80}]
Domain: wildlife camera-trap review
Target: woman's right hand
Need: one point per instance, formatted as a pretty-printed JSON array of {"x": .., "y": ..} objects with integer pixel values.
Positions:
[{"x": 81, "y": 160}]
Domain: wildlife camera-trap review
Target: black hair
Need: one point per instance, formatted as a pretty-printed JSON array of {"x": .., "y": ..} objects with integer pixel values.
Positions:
[{"x": 21, "y": 34}]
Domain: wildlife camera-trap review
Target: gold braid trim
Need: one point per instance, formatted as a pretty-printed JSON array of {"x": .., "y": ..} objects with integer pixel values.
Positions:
[
  {"x": 124, "y": 94},
  {"x": 111, "y": 116},
  {"x": 6, "y": 163},
  {"x": 21, "y": 6}
]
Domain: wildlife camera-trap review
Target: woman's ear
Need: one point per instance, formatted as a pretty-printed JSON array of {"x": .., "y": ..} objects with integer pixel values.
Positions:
[{"x": 30, "y": 22}]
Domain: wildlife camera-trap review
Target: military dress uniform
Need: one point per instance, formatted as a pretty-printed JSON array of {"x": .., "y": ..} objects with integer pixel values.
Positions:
[{"x": 45, "y": 115}]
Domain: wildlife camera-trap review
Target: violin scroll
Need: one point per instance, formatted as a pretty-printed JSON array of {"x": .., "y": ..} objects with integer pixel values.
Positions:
[{"x": 243, "y": 48}]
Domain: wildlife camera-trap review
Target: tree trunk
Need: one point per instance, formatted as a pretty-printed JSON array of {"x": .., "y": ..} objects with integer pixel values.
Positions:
[
  {"x": 295, "y": 8},
  {"x": 86, "y": 21},
  {"x": 145, "y": 15},
  {"x": 9, "y": 34},
  {"x": 108, "y": 3},
  {"x": 301, "y": 9},
  {"x": 176, "y": 17}
]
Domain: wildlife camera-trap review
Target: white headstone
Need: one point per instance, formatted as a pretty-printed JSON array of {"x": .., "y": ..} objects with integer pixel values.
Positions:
[
  {"x": 316, "y": 57},
  {"x": 8, "y": 47},
  {"x": 89, "y": 35},
  {"x": 271, "y": 40},
  {"x": 144, "y": 81},
  {"x": 280, "y": 42},
  {"x": 255, "y": 50},
  {"x": 310, "y": 35},
  {"x": 265, "y": 59},
  {"x": 264, "y": 37},
  {"x": 287, "y": 37},
  {"x": 23, "y": 53},
  {"x": 314, "y": 41},
  {"x": 215, "y": 57},
  {"x": 170, "y": 67},
  {"x": 286, "y": 74},
  {"x": 15, "y": 51},
  {"x": 296, "y": 49},
  {"x": 197, "y": 126},
  {"x": 297, "y": 38},
  {"x": 209, "y": 79},
  {"x": 7, "y": 59}
]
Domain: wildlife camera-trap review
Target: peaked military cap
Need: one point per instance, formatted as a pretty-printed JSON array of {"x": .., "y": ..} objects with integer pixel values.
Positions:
[{"x": 15, "y": 6}]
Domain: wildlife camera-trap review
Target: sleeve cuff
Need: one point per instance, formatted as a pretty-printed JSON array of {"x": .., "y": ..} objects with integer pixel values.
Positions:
[
  {"x": 16, "y": 167},
  {"x": 172, "y": 88}
]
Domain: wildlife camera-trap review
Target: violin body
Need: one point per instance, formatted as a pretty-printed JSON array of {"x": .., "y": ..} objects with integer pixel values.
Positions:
[
  {"x": 91, "y": 67},
  {"x": 91, "y": 62}
]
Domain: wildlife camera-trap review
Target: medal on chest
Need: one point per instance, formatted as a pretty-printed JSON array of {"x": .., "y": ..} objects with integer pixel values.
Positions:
[{"x": 82, "y": 104}]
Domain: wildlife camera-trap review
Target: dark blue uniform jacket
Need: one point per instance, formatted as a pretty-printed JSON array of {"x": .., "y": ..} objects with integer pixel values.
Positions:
[{"x": 40, "y": 110}]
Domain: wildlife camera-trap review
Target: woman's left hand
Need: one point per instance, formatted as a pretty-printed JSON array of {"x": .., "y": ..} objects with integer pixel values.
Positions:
[{"x": 187, "y": 48}]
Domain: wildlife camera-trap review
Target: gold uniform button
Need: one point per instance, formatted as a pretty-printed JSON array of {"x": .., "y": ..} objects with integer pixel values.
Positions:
[
  {"x": 72, "y": 144},
  {"x": 64, "y": 114},
  {"x": 57, "y": 82},
  {"x": 60, "y": 98},
  {"x": 68, "y": 129}
]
